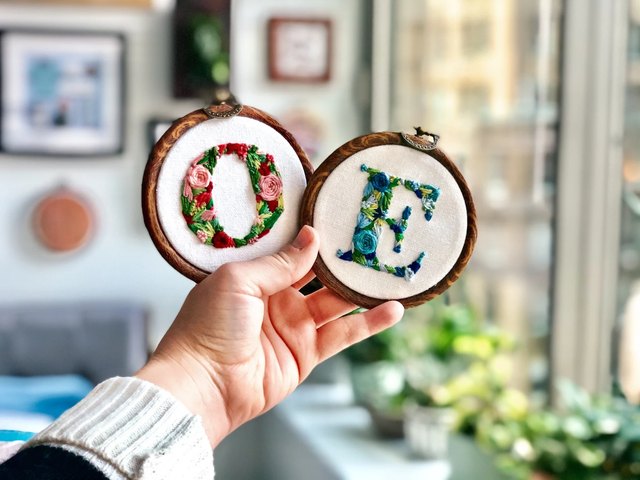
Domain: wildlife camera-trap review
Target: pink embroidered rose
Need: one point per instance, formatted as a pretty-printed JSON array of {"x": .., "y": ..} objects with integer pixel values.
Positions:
[
  {"x": 208, "y": 215},
  {"x": 198, "y": 177},
  {"x": 202, "y": 236},
  {"x": 270, "y": 187}
]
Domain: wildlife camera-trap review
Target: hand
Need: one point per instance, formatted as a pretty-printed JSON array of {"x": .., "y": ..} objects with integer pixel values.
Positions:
[{"x": 246, "y": 337}]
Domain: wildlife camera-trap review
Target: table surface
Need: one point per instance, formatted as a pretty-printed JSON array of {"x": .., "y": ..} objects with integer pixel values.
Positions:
[{"x": 341, "y": 435}]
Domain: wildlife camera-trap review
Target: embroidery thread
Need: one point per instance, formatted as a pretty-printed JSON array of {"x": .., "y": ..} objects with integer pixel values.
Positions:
[
  {"x": 197, "y": 204},
  {"x": 374, "y": 208}
]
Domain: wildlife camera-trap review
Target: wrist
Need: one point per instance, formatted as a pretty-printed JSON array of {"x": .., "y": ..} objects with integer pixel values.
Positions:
[{"x": 191, "y": 385}]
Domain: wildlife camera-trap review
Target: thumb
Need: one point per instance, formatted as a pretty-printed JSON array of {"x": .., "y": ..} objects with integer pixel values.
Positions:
[{"x": 268, "y": 275}]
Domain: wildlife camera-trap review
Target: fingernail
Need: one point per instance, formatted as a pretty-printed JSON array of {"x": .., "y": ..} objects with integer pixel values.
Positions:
[{"x": 304, "y": 238}]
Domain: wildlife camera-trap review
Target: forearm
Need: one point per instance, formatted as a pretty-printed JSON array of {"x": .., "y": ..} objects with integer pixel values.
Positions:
[{"x": 130, "y": 428}]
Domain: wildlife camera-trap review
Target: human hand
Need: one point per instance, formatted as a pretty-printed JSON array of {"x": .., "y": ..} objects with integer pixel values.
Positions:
[{"x": 246, "y": 337}]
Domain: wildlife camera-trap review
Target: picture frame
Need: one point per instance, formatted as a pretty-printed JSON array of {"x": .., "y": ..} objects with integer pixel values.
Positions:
[
  {"x": 156, "y": 127},
  {"x": 300, "y": 49},
  {"x": 62, "y": 93}
]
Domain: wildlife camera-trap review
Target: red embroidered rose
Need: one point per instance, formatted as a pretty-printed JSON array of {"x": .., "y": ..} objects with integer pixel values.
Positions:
[
  {"x": 264, "y": 169},
  {"x": 198, "y": 177},
  {"x": 222, "y": 240},
  {"x": 263, "y": 233},
  {"x": 269, "y": 158},
  {"x": 188, "y": 218},
  {"x": 273, "y": 204},
  {"x": 239, "y": 149},
  {"x": 270, "y": 187},
  {"x": 203, "y": 198},
  {"x": 210, "y": 187}
]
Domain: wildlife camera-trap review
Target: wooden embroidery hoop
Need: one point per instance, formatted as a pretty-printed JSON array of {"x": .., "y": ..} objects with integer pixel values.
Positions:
[
  {"x": 417, "y": 142},
  {"x": 225, "y": 108}
]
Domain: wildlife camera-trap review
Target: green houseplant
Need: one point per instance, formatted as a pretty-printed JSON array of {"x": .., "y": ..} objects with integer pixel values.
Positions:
[{"x": 590, "y": 437}]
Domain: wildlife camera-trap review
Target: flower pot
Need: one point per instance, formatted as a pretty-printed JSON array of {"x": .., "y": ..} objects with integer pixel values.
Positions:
[
  {"x": 388, "y": 424},
  {"x": 374, "y": 381},
  {"x": 427, "y": 430}
]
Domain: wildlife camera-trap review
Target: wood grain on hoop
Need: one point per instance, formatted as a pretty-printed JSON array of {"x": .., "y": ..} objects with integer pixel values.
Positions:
[
  {"x": 329, "y": 165},
  {"x": 154, "y": 165}
]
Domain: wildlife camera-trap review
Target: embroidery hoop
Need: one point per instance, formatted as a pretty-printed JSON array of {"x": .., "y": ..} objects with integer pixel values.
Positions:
[
  {"x": 222, "y": 109},
  {"x": 416, "y": 142}
]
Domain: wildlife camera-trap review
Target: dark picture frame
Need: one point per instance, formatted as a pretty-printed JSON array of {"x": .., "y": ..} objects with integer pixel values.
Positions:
[
  {"x": 300, "y": 49},
  {"x": 62, "y": 92},
  {"x": 156, "y": 127}
]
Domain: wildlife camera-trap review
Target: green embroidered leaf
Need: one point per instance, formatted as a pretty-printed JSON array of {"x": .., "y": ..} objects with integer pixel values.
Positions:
[
  {"x": 264, "y": 208},
  {"x": 197, "y": 226},
  {"x": 208, "y": 228},
  {"x": 369, "y": 212},
  {"x": 385, "y": 200},
  {"x": 239, "y": 242},
  {"x": 389, "y": 269},
  {"x": 270, "y": 221},
  {"x": 185, "y": 204},
  {"x": 253, "y": 232},
  {"x": 359, "y": 257}
]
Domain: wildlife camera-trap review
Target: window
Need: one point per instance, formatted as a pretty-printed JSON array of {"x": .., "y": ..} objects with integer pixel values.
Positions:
[{"x": 493, "y": 100}]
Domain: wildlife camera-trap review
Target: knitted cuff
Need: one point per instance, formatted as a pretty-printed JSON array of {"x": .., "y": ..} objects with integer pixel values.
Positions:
[{"x": 130, "y": 428}]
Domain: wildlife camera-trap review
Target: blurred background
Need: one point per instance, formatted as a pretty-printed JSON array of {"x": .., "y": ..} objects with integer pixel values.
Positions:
[{"x": 529, "y": 367}]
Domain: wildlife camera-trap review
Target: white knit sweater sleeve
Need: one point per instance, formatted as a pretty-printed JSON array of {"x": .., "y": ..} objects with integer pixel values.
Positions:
[{"x": 131, "y": 429}]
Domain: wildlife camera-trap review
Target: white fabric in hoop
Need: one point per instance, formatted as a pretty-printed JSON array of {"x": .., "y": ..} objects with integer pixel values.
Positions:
[
  {"x": 338, "y": 204},
  {"x": 233, "y": 195}
]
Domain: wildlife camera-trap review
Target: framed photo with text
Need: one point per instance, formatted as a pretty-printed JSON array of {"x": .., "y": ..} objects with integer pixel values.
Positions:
[
  {"x": 300, "y": 49},
  {"x": 62, "y": 93}
]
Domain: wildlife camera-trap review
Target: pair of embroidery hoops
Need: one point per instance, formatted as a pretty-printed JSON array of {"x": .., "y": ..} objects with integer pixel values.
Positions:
[{"x": 395, "y": 216}]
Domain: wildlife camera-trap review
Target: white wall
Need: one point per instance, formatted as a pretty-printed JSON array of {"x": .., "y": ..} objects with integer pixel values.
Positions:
[{"x": 121, "y": 262}]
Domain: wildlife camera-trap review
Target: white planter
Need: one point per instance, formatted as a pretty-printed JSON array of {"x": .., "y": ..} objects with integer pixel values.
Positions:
[{"x": 427, "y": 431}]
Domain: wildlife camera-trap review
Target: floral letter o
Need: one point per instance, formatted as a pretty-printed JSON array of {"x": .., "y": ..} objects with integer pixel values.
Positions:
[{"x": 197, "y": 204}]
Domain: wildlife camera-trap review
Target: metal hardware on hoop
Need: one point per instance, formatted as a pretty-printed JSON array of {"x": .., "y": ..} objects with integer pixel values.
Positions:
[
  {"x": 425, "y": 147},
  {"x": 223, "y": 97}
]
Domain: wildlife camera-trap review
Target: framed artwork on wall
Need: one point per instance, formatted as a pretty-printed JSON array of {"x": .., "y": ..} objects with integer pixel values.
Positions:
[
  {"x": 85, "y": 3},
  {"x": 62, "y": 93},
  {"x": 156, "y": 128},
  {"x": 300, "y": 49},
  {"x": 201, "y": 47}
]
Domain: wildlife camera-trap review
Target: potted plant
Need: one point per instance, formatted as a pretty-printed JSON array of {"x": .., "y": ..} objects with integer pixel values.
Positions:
[
  {"x": 459, "y": 377},
  {"x": 591, "y": 437},
  {"x": 378, "y": 378}
]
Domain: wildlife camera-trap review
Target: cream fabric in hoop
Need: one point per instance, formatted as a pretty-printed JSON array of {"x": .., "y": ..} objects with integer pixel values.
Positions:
[
  {"x": 233, "y": 196},
  {"x": 338, "y": 204}
]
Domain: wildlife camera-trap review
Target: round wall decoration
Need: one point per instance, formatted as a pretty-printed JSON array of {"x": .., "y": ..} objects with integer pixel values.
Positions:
[
  {"x": 395, "y": 216},
  {"x": 63, "y": 221},
  {"x": 223, "y": 184}
]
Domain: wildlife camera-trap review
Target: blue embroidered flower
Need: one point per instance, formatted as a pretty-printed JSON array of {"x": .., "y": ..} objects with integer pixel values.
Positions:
[
  {"x": 365, "y": 241},
  {"x": 399, "y": 272},
  {"x": 363, "y": 221},
  {"x": 380, "y": 181},
  {"x": 348, "y": 255},
  {"x": 406, "y": 213}
]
